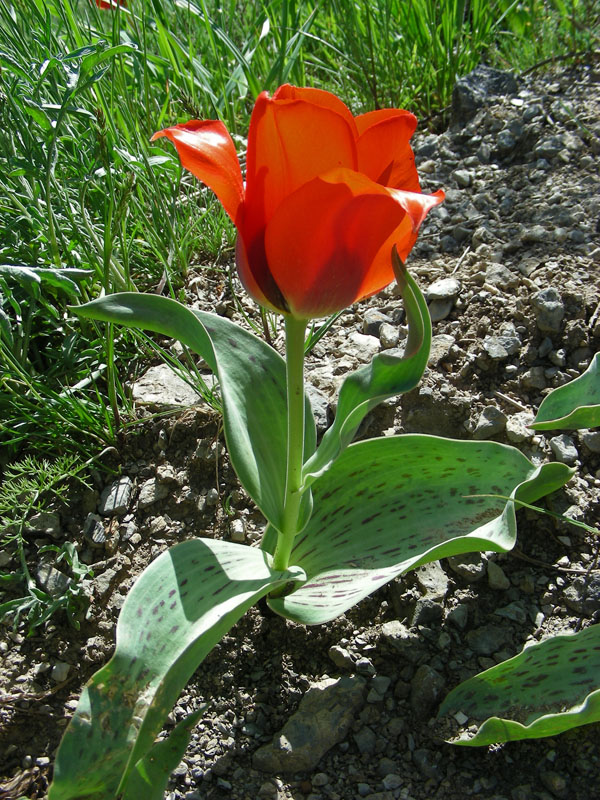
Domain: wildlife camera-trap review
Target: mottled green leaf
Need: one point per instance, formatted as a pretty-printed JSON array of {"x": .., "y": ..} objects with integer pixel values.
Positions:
[
  {"x": 574, "y": 405},
  {"x": 548, "y": 688},
  {"x": 177, "y": 610},
  {"x": 391, "y": 504},
  {"x": 253, "y": 388},
  {"x": 385, "y": 376}
]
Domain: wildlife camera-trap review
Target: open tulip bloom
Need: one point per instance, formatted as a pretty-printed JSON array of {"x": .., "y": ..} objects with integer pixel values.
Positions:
[
  {"x": 328, "y": 213},
  {"x": 327, "y": 195}
]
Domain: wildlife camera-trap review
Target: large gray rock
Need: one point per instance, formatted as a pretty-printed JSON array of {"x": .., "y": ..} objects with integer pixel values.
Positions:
[
  {"x": 408, "y": 643},
  {"x": 426, "y": 689},
  {"x": 504, "y": 344},
  {"x": 320, "y": 405},
  {"x": 323, "y": 719},
  {"x": 471, "y": 567},
  {"x": 93, "y": 531},
  {"x": 564, "y": 449},
  {"x": 496, "y": 576},
  {"x": 389, "y": 336},
  {"x": 500, "y": 276},
  {"x": 160, "y": 387},
  {"x": 443, "y": 289},
  {"x": 583, "y": 595},
  {"x": 360, "y": 346},
  {"x": 46, "y": 522},
  {"x": 372, "y": 321},
  {"x": 491, "y": 422},
  {"x": 429, "y": 763},
  {"x": 591, "y": 440},
  {"x": 440, "y": 348},
  {"x": 151, "y": 492},
  {"x": 517, "y": 429},
  {"x": 487, "y": 639},
  {"x": 366, "y": 740},
  {"x": 474, "y": 90},
  {"x": 52, "y": 580}
]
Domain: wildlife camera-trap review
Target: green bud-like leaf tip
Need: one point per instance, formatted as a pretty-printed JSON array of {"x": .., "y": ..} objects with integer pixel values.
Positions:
[
  {"x": 151, "y": 775},
  {"x": 548, "y": 688},
  {"x": 574, "y": 405}
]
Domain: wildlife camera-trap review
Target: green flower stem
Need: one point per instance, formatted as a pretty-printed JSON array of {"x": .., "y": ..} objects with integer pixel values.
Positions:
[{"x": 294, "y": 359}]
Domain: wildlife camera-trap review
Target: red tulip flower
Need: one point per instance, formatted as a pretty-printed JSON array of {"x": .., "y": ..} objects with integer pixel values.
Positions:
[{"x": 327, "y": 196}]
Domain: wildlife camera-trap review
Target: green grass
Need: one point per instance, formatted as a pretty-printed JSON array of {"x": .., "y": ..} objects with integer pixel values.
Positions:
[
  {"x": 89, "y": 204},
  {"x": 30, "y": 487},
  {"x": 541, "y": 31}
]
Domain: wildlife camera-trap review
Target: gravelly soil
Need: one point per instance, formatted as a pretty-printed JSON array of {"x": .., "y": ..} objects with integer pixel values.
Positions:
[{"x": 518, "y": 239}]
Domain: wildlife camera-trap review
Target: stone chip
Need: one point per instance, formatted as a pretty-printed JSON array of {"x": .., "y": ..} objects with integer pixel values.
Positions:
[{"x": 323, "y": 719}]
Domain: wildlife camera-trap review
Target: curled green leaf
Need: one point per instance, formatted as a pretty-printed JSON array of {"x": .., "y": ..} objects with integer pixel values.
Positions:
[
  {"x": 385, "y": 376},
  {"x": 574, "y": 405}
]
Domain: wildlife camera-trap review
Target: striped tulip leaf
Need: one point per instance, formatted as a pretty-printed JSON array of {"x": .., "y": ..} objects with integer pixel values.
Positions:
[
  {"x": 574, "y": 405},
  {"x": 253, "y": 388},
  {"x": 391, "y": 504},
  {"x": 550, "y": 687},
  {"x": 176, "y": 612}
]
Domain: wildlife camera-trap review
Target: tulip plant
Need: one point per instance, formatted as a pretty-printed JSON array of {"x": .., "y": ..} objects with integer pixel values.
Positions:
[{"x": 327, "y": 215}]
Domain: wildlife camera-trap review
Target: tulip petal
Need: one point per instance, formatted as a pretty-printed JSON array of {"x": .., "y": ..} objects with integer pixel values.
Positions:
[
  {"x": 384, "y": 152},
  {"x": 258, "y": 280},
  {"x": 329, "y": 243},
  {"x": 293, "y": 137},
  {"x": 207, "y": 150},
  {"x": 316, "y": 97},
  {"x": 417, "y": 206}
]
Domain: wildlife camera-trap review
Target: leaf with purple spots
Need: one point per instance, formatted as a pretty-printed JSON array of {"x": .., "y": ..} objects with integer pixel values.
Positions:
[
  {"x": 253, "y": 388},
  {"x": 176, "y": 612},
  {"x": 574, "y": 405},
  {"x": 548, "y": 688},
  {"x": 391, "y": 504}
]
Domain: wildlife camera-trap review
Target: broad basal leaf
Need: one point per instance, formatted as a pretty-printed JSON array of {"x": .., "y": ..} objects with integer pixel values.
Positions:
[
  {"x": 178, "y": 609},
  {"x": 385, "y": 376},
  {"x": 389, "y": 505},
  {"x": 253, "y": 388},
  {"x": 574, "y": 405},
  {"x": 548, "y": 688}
]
